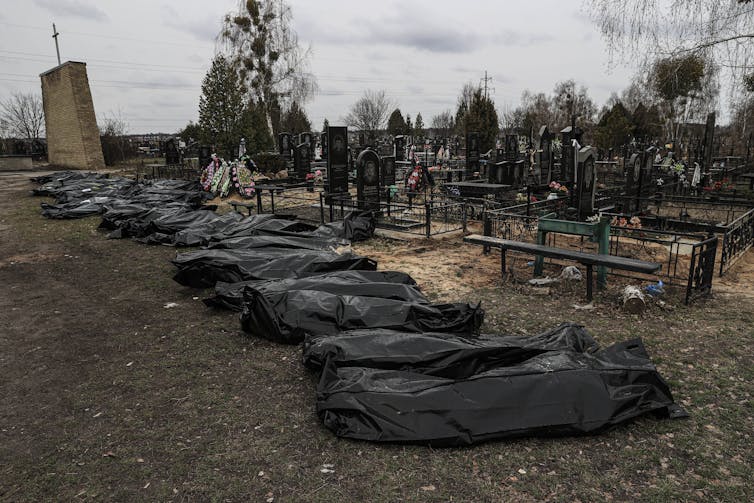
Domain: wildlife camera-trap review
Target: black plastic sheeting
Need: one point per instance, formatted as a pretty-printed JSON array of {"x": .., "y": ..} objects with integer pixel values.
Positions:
[
  {"x": 78, "y": 195},
  {"x": 442, "y": 390},
  {"x": 231, "y": 295},
  {"x": 288, "y": 316},
  {"x": 204, "y": 268},
  {"x": 393, "y": 367},
  {"x": 439, "y": 354},
  {"x": 171, "y": 212}
]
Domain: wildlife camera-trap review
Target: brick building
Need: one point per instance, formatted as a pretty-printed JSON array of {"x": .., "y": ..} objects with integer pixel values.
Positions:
[{"x": 73, "y": 138}]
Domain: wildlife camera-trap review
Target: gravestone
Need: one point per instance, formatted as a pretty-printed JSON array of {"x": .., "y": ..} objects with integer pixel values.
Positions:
[
  {"x": 709, "y": 133},
  {"x": 302, "y": 160},
  {"x": 387, "y": 171},
  {"x": 568, "y": 155},
  {"x": 172, "y": 156},
  {"x": 399, "y": 144},
  {"x": 511, "y": 147},
  {"x": 473, "y": 153},
  {"x": 323, "y": 144},
  {"x": 368, "y": 180},
  {"x": 633, "y": 172},
  {"x": 305, "y": 138},
  {"x": 586, "y": 181},
  {"x": 337, "y": 159},
  {"x": 205, "y": 155},
  {"x": 362, "y": 139},
  {"x": 285, "y": 144},
  {"x": 544, "y": 156}
]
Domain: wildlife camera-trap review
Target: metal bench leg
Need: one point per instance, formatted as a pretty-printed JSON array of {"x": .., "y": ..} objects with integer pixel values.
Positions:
[{"x": 589, "y": 282}]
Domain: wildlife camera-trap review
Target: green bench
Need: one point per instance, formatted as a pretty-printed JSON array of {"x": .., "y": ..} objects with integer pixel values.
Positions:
[{"x": 587, "y": 259}]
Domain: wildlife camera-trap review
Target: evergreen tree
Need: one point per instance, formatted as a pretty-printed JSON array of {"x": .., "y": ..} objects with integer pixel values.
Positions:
[
  {"x": 256, "y": 131},
  {"x": 221, "y": 108},
  {"x": 419, "y": 125},
  {"x": 396, "y": 125},
  {"x": 614, "y": 128},
  {"x": 482, "y": 117},
  {"x": 295, "y": 120}
]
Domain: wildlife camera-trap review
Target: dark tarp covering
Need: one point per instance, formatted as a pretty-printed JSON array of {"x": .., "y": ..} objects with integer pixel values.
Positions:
[
  {"x": 80, "y": 195},
  {"x": 440, "y": 354},
  {"x": 230, "y": 295},
  {"x": 295, "y": 242},
  {"x": 287, "y": 317},
  {"x": 462, "y": 393},
  {"x": 204, "y": 268}
]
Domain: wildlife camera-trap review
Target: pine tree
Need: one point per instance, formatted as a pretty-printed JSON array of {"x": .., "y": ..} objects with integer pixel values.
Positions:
[
  {"x": 295, "y": 120},
  {"x": 396, "y": 125},
  {"x": 482, "y": 117},
  {"x": 419, "y": 125},
  {"x": 221, "y": 107}
]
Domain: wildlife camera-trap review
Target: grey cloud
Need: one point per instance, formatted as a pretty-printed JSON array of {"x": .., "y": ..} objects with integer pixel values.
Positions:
[
  {"x": 205, "y": 29},
  {"x": 512, "y": 38},
  {"x": 73, "y": 8}
]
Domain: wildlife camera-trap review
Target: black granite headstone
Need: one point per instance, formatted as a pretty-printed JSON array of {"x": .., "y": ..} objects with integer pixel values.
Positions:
[
  {"x": 633, "y": 172},
  {"x": 400, "y": 148},
  {"x": 285, "y": 144},
  {"x": 302, "y": 160},
  {"x": 586, "y": 181},
  {"x": 709, "y": 133},
  {"x": 387, "y": 171},
  {"x": 205, "y": 155},
  {"x": 473, "y": 153},
  {"x": 337, "y": 159},
  {"x": 172, "y": 156},
  {"x": 511, "y": 147},
  {"x": 568, "y": 154},
  {"x": 323, "y": 143},
  {"x": 545, "y": 155},
  {"x": 368, "y": 180},
  {"x": 305, "y": 138}
]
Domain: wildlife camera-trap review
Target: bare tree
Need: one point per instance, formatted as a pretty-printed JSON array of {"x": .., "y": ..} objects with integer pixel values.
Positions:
[
  {"x": 651, "y": 29},
  {"x": 115, "y": 146},
  {"x": 22, "y": 116},
  {"x": 444, "y": 123},
  {"x": 370, "y": 112},
  {"x": 263, "y": 48}
]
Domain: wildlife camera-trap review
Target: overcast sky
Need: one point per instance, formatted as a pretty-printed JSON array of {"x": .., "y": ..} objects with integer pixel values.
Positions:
[{"x": 146, "y": 58}]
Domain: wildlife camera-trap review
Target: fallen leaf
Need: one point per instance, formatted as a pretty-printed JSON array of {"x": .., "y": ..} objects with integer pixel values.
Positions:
[
  {"x": 146, "y": 485},
  {"x": 428, "y": 488},
  {"x": 522, "y": 471},
  {"x": 109, "y": 454}
]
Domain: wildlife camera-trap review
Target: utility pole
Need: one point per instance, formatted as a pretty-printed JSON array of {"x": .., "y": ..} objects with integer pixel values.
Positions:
[
  {"x": 486, "y": 79},
  {"x": 55, "y": 36}
]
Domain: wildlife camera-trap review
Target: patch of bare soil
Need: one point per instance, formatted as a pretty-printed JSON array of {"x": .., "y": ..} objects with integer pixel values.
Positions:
[
  {"x": 739, "y": 280},
  {"x": 445, "y": 268}
]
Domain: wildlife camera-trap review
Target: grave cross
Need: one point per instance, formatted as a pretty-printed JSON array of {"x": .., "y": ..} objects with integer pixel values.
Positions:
[{"x": 55, "y": 36}]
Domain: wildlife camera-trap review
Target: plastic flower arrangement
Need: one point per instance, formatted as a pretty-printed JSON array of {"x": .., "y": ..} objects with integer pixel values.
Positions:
[
  {"x": 414, "y": 180},
  {"x": 631, "y": 223},
  {"x": 557, "y": 187}
]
